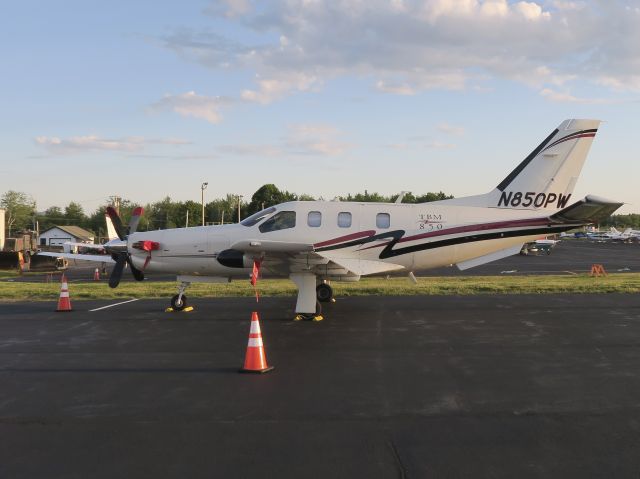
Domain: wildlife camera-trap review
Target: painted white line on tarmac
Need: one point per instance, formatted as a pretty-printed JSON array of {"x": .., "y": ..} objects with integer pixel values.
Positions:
[{"x": 112, "y": 305}]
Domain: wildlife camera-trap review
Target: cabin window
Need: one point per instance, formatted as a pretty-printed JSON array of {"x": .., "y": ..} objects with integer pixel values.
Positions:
[
  {"x": 383, "y": 220},
  {"x": 314, "y": 219},
  {"x": 280, "y": 221},
  {"x": 257, "y": 217},
  {"x": 344, "y": 219}
]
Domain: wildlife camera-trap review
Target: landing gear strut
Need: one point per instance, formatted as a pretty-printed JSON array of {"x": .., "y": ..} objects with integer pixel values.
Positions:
[
  {"x": 307, "y": 305},
  {"x": 179, "y": 301}
]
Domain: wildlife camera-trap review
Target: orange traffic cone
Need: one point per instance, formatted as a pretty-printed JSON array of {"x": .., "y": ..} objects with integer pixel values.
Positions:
[
  {"x": 255, "y": 361},
  {"x": 96, "y": 275},
  {"x": 64, "y": 303}
]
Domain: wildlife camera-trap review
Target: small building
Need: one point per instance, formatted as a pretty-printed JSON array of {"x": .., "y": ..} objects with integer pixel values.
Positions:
[{"x": 59, "y": 235}]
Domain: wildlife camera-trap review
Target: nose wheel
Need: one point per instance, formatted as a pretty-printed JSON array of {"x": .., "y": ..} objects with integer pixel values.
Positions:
[{"x": 179, "y": 301}]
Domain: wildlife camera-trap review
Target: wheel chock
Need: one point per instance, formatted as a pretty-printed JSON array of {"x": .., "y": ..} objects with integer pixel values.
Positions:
[
  {"x": 308, "y": 317},
  {"x": 185, "y": 310}
]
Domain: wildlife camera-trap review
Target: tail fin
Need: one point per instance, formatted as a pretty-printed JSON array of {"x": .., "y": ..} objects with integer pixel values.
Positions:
[
  {"x": 111, "y": 231},
  {"x": 545, "y": 179}
]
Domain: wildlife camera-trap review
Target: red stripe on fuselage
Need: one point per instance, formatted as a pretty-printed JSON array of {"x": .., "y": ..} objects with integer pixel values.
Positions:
[{"x": 341, "y": 239}]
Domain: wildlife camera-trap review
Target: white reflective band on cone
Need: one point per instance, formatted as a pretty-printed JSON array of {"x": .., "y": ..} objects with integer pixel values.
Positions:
[
  {"x": 255, "y": 327},
  {"x": 255, "y": 342},
  {"x": 64, "y": 294}
]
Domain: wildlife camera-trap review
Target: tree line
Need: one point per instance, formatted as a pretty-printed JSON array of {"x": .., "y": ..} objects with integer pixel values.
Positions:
[{"x": 21, "y": 212}]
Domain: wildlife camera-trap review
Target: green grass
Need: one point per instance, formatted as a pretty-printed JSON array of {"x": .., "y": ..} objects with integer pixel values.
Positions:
[{"x": 459, "y": 285}]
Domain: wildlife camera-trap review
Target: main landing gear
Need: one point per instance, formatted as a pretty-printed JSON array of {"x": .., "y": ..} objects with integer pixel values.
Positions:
[
  {"x": 310, "y": 295},
  {"x": 324, "y": 293}
]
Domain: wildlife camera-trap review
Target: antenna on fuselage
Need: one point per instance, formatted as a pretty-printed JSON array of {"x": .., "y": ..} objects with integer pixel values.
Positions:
[{"x": 401, "y": 196}]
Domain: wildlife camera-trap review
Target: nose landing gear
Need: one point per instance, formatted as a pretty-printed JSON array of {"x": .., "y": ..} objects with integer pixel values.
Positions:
[{"x": 179, "y": 301}]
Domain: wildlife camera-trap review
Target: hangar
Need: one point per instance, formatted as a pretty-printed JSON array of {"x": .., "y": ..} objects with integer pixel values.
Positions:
[{"x": 59, "y": 235}]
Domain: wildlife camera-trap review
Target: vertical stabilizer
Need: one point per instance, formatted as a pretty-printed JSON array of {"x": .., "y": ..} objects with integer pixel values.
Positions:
[
  {"x": 545, "y": 179},
  {"x": 111, "y": 231}
]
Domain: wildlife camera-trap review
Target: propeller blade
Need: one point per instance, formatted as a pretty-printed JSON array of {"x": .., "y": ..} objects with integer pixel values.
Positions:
[
  {"x": 116, "y": 274},
  {"x": 137, "y": 274},
  {"x": 135, "y": 219},
  {"x": 117, "y": 222}
]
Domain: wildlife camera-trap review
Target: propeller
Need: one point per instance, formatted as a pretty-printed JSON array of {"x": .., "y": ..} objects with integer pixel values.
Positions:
[{"x": 120, "y": 253}]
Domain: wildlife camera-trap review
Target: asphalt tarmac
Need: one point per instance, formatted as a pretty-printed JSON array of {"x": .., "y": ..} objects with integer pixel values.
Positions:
[{"x": 477, "y": 386}]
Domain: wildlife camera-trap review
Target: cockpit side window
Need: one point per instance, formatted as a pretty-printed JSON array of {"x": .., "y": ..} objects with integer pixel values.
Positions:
[
  {"x": 257, "y": 217},
  {"x": 280, "y": 221}
]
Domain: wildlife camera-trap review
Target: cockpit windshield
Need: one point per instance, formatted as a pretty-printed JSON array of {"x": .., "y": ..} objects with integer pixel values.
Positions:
[
  {"x": 257, "y": 217},
  {"x": 280, "y": 221}
]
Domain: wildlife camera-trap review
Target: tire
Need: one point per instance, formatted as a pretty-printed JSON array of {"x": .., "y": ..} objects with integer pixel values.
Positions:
[
  {"x": 178, "y": 306},
  {"x": 324, "y": 292}
]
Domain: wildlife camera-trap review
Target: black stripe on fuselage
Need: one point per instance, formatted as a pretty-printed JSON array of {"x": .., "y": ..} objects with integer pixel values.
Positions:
[{"x": 395, "y": 236}]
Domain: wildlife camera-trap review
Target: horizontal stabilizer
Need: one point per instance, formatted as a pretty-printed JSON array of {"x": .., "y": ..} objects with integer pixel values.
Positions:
[
  {"x": 488, "y": 258},
  {"x": 591, "y": 209}
]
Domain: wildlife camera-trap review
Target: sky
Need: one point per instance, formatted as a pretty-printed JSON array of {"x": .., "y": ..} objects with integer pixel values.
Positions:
[{"x": 145, "y": 99}]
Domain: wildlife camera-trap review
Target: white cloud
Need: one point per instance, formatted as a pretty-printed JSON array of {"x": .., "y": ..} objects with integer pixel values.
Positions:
[
  {"x": 404, "y": 47},
  {"x": 315, "y": 140},
  {"x": 272, "y": 89},
  {"x": 439, "y": 145},
  {"x": 300, "y": 141},
  {"x": 194, "y": 105},
  {"x": 451, "y": 129},
  {"x": 395, "y": 88},
  {"x": 531, "y": 11},
  {"x": 94, "y": 143},
  {"x": 563, "y": 97}
]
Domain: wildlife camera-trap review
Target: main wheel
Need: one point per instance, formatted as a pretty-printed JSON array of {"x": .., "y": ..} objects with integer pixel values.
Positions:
[
  {"x": 324, "y": 292},
  {"x": 177, "y": 303}
]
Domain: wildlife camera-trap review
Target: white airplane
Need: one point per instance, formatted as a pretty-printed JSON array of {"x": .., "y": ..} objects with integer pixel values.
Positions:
[
  {"x": 612, "y": 235},
  {"x": 313, "y": 242},
  {"x": 624, "y": 236}
]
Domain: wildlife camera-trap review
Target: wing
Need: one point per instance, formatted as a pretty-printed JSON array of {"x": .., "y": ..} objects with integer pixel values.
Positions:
[
  {"x": 97, "y": 258},
  {"x": 296, "y": 257},
  {"x": 86, "y": 245}
]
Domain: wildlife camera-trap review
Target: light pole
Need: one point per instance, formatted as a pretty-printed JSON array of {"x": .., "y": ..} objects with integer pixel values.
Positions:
[
  {"x": 239, "y": 203},
  {"x": 202, "y": 188}
]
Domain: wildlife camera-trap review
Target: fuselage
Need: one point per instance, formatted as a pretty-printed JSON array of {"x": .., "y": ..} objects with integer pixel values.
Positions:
[{"x": 412, "y": 236}]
